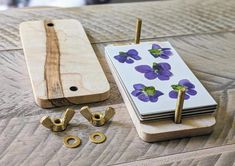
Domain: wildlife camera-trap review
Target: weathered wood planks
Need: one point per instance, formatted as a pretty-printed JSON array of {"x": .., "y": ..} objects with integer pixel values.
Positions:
[
  {"x": 223, "y": 155},
  {"x": 126, "y": 146},
  {"x": 116, "y": 22},
  {"x": 208, "y": 53}
]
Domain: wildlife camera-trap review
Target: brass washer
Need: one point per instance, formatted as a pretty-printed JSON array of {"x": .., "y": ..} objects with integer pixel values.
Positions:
[
  {"x": 71, "y": 137},
  {"x": 99, "y": 140}
]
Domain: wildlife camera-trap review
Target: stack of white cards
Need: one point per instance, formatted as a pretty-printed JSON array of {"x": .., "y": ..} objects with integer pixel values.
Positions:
[{"x": 150, "y": 74}]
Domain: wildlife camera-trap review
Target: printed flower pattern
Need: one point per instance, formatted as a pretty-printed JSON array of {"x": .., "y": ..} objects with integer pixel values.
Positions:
[
  {"x": 128, "y": 56},
  {"x": 158, "y": 51},
  {"x": 189, "y": 89},
  {"x": 158, "y": 70},
  {"x": 146, "y": 93}
]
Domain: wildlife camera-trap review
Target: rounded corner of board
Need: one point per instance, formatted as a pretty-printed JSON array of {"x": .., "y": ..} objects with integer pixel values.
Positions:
[
  {"x": 42, "y": 102},
  {"x": 100, "y": 96},
  {"x": 211, "y": 126},
  {"x": 213, "y": 121},
  {"x": 22, "y": 24},
  {"x": 106, "y": 92},
  {"x": 147, "y": 137},
  {"x": 74, "y": 20},
  {"x": 105, "y": 95}
]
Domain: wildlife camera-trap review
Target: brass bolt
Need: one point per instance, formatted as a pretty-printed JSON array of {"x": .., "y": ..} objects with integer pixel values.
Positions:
[
  {"x": 58, "y": 124},
  {"x": 179, "y": 106},
  {"x": 138, "y": 30},
  {"x": 97, "y": 118}
]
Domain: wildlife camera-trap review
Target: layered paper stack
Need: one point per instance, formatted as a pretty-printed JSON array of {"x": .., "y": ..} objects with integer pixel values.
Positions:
[{"x": 150, "y": 75}]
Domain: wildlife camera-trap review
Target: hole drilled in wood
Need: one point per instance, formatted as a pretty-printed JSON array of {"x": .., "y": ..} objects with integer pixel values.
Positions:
[
  {"x": 50, "y": 24},
  {"x": 73, "y": 88}
]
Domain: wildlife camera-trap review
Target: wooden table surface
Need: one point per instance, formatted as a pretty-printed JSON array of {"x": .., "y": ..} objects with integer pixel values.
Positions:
[{"x": 203, "y": 33}]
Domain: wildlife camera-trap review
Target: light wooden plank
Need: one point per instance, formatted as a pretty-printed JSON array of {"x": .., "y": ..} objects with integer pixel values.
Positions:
[{"x": 62, "y": 64}]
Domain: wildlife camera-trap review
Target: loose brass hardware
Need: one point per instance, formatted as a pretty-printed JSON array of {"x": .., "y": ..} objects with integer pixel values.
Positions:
[
  {"x": 97, "y": 137},
  {"x": 97, "y": 118},
  {"x": 58, "y": 124},
  {"x": 76, "y": 143}
]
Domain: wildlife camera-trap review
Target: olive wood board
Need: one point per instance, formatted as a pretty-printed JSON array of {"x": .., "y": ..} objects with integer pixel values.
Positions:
[
  {"x": 165, "y": 129},
  {"x": 62, "y": 64}
]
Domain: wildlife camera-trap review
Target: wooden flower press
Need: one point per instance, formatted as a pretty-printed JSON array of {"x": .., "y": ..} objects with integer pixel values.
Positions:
[
  {"x": 64, "y": 69},
  {"x": 166, "y": 129}
]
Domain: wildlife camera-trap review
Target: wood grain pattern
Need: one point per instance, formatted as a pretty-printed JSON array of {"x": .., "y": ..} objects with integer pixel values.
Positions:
[
  {"x": 121, "y": 130},
  {"x": 16, "y": 102},
  {"x": 52, "y": 63},
  {"x": 203, "y": 34},
  {"x": 210, "y": 157},
  {"x": 62, "y": 65},
  {"x": 116, "y": 22}
]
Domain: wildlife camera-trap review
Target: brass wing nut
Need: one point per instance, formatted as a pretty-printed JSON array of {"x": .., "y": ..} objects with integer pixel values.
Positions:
[
  {"x": 97, "y": 118},
  {"x": 58, "y": 124}
]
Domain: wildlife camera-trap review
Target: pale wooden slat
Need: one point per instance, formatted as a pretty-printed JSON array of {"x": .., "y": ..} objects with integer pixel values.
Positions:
[{"x": 59, "y": 57}]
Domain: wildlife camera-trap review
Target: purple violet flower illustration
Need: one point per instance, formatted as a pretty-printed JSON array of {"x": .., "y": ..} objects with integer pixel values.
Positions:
[
  {"x": 189, "y": 89},
  {"x": 158, "y": 70},
  {"x": 128, "y": 56},
  {"x": 158, "y": 51},
  {"x": 146, "y": 93}
]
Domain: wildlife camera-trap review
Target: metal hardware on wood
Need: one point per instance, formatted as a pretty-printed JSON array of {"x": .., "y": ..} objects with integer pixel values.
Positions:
[
  {"x": 138, "y": 30},
  {"x": 179, "y": 106},
  {"x": 58, "y": 124},
  {"x": 97, "y": 118}
]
